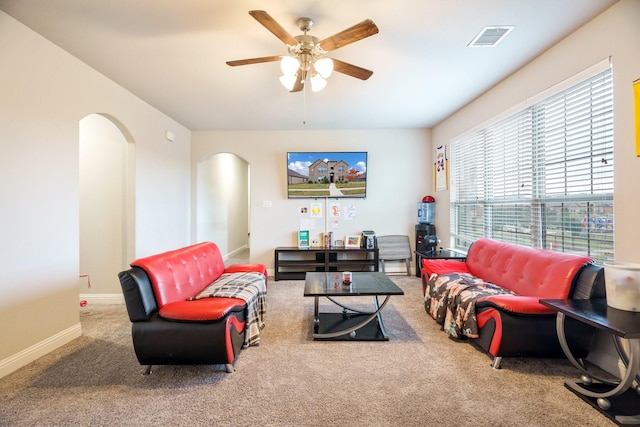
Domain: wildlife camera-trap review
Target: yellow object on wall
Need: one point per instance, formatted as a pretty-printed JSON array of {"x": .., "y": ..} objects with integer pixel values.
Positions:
[{"x": 636, "y": 113}]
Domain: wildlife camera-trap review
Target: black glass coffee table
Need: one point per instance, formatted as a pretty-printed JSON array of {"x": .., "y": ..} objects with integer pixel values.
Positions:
[{"x": 351, "y": 324}]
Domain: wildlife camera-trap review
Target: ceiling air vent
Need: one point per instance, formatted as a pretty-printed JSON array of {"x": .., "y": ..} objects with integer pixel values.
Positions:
[{"x": 490, "y": 36}]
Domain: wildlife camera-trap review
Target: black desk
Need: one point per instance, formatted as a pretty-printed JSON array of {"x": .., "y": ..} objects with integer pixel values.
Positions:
[
  {"x": 617, "y": 400},
  {"x": 437, "y": 254}
]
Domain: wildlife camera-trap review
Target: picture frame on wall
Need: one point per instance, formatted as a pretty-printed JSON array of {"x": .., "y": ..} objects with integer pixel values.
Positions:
[{"x": 352, "y": 241}]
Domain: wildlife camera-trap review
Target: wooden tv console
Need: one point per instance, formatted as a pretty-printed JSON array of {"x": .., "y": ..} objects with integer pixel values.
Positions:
[{"x": 292, "y": 263}]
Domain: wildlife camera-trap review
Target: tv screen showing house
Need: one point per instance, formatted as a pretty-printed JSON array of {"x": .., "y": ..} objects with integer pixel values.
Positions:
[{"x": 331, "y": 174}]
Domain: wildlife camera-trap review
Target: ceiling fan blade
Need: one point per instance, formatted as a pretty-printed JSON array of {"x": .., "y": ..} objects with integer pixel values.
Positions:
[
  {"x": 358, "y": 32},
  {"x": 351, "y": 70},
  {"x": 254, "y": 60},
  {"x": 270, "y": 24},
  {"x": 299, "y": 84}
]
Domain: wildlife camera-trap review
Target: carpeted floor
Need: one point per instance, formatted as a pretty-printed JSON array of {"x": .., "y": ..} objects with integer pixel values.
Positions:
[{"x": 419, "y": 378}]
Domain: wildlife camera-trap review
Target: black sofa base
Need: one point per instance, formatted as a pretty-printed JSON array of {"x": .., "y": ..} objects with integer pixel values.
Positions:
[
  {"x": 158, "y": 341},
  {"x": 534, "y": 336},
  {"x": 163, "y": 342}
]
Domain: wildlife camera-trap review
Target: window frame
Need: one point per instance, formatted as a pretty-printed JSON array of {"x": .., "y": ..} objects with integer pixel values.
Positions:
[{"x": 557, "y": 187}]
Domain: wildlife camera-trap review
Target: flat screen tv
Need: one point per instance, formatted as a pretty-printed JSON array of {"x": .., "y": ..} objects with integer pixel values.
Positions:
[{"x": 332, "y": 174}]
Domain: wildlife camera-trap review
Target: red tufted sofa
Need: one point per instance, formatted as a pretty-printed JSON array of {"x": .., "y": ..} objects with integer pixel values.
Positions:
[
  {"x": 170, "y": 329},
  {"x": 518, "y": 325}
]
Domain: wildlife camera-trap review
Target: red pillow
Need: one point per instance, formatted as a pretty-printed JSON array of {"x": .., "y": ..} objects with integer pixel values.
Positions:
[{"x": 443, "y": 266}]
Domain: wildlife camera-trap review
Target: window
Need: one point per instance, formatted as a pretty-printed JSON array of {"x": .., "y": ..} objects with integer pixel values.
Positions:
[{"x": 542, "y": 176}]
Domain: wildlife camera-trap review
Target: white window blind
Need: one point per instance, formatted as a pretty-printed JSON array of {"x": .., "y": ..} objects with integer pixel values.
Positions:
[{"x": 541, "y": 176}]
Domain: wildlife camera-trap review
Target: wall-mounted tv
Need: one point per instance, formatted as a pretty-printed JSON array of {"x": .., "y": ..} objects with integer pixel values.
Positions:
[{"x": 332, "y": 174}]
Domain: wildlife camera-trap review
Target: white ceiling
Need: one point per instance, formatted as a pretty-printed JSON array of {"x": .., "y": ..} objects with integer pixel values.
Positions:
[{"x": 172, "y": 54}]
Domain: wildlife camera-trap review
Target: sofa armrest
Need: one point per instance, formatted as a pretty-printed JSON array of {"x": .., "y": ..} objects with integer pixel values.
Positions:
[
  {"x": 242, "y": 268},
  {"x": 202, "y": 310},
  {"x": 589, "y": 283},
  {"x": 516, "y": 304},
  {"x": 246, "y": 268},
  {"x": 443, "y": 266},
  {"x": 138, "y": 294}
]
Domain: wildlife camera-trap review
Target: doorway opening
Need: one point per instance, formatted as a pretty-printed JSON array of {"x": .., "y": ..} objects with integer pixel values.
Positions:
[
  {"x": 222, "y": 205},
  {"x": 106, "y": 206}
]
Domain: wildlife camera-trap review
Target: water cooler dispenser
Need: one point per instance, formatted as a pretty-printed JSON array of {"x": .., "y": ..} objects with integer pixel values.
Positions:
[{"x": 426, "y": 238}]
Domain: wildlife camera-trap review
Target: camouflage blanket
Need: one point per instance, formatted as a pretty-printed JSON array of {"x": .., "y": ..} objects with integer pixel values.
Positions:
[
  {"x": 451, "y": 300},
  {"x": 248, "y": 286}
]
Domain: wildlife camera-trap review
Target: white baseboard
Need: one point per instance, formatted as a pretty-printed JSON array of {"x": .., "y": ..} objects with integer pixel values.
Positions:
[
  {"x": 28, "y": 355},
  {"x": 234, "y": 252},
  {"x": 102, "y": 298}
]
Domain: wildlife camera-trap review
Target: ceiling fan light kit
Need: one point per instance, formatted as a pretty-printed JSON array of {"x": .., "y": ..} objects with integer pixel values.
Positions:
[
  {"x": 324, "y": 67},
  {"x": 288, "y": 81},
  {"x": 289, "y": 65},
  {"x": 317, "y": 82},
  {"x": 306, "y": 53}
]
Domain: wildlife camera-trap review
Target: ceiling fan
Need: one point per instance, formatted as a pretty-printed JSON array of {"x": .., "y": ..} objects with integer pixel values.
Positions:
[{"x": 306, "y": 57}]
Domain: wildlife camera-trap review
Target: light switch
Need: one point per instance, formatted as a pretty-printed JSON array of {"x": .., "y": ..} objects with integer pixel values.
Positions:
[{"x": 266, "y": 203}]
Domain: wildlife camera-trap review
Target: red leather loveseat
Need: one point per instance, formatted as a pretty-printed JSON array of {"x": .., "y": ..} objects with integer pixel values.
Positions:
[
  {"x": 509, "y": 318},
  {"x": 169, "y": 327}
]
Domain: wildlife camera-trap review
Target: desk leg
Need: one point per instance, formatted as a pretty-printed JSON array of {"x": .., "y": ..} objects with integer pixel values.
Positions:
[
  {"x": 316, "y": 318},
  {"x": 617, "y": 341},
  {"x": 632, "y": 365},
  {"x": 587, "y": 376}
]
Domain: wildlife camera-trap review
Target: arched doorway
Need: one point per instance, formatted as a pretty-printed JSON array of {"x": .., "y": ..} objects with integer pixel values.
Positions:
[
  {"x": 105, "y": 206},
  {"x": 223, "y": 204}
]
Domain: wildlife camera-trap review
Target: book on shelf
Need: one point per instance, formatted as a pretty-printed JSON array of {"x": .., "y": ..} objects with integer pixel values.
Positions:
[{"x": 303, "y": 239}]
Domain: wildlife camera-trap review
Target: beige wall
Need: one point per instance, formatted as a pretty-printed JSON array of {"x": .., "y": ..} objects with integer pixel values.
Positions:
[
  {"x": 399, "y": 174},
  {"x": 45, "y": 92}
]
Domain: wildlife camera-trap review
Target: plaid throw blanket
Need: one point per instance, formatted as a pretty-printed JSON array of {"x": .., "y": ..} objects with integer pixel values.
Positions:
[
  {"x": 248, "y": 286},
  {"x": 451, "y": 300}
]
